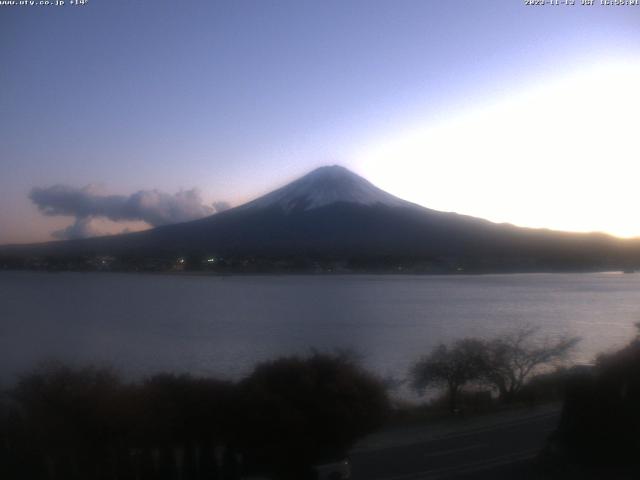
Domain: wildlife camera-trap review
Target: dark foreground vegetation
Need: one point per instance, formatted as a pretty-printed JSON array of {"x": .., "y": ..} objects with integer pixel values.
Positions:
[
  {"x": 288, "y": 415},
  {"x": 600, "y": 425},
  {"x": 295, "y": 413},
  {"x": 598, "y": 435},
  {"x": 502, "y": 365}
]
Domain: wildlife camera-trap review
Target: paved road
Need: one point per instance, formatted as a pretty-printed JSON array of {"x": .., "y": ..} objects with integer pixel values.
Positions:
[{"x": 498, "y": 446}]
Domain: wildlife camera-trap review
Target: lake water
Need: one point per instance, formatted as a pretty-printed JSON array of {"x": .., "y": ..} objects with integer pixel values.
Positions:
[{"x": 143, "y": 323}]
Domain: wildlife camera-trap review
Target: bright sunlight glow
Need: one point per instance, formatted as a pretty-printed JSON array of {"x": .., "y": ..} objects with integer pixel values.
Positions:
[{"x": 563, "y": 155}]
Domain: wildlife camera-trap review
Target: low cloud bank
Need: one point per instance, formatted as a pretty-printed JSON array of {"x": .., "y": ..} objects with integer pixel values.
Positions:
[
  {"x": 82, "y": 228},
  {"x": 151, "y": 206}
]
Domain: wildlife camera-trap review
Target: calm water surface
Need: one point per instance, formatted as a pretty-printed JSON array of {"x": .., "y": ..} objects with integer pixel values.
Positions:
[{"x": 143, "y": 323}]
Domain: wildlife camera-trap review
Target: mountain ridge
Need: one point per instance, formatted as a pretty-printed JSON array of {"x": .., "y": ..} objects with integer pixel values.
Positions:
[
  {"x": 323, "y": 186},
  {"x": 333, "y": 216}
]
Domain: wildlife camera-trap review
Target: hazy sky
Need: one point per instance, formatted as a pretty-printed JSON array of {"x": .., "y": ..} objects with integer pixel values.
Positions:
[{"x": 491, "y": 108}]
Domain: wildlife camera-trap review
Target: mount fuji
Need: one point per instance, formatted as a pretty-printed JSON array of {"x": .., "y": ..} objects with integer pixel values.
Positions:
[
  {"x": 332, "y": 215},
  {"x": 322, "y": 187}
]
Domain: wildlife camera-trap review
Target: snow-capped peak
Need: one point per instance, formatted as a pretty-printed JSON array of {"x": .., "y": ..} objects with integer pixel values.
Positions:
[{"x": 325, "y": 186}]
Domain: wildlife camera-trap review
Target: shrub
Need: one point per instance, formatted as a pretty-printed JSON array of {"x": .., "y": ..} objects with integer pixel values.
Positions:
[{"x": 300, "y": 411}]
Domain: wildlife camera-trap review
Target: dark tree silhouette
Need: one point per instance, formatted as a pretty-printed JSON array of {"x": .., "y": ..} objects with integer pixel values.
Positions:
[
  {"x": 86, "y": 423},
  {"x": 71, "y": 416},
  {"x": 600, "y": 423},
  {"x": 177, "y": 409},
  {"x": 181, "y": 420},
  {"x": 510, "y": 360},
  {"x": 451, "y": 367},
  {"x": 300, "y": 411}
]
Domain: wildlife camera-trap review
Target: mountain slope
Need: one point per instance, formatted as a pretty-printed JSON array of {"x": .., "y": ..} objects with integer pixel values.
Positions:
[
  {"x": 325, "y": 186},
  {"x": 332, "y": 213}
]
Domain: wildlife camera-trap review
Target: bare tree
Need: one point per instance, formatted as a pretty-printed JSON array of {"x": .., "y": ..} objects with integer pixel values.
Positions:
[
  {"x": 511, "y": 359},
  {"x": 451, "y": 367}
]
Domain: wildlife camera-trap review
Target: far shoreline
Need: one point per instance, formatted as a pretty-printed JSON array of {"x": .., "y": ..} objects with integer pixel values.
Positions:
[{"x": 196, "y": 273}]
